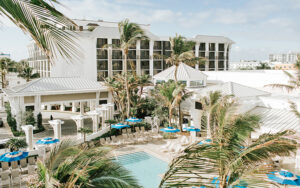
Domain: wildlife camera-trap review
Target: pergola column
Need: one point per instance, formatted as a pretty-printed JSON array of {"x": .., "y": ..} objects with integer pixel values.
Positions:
[
  {"x": 79, "y": 120},
  {"x": 112, "y": 110},
  {"x": 62, "y": 107},
  {"x": 95, "y": 117},
  {"x": 56, "y": 124},
  {"x": 74, "y": 107},
  {"x": 28, "y": 129},
  {"x": 81, "y": 108}
]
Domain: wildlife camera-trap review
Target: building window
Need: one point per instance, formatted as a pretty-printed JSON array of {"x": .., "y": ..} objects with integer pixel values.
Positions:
[
  {"x": 167, "y": 45},
  {"x": 211, "y": 66},
  {"x": 131, "y": 65},
  {"x": 145, "y": 67},
  {"x": 211, "y": 55},
  {"x": 202, "y": 47},
  {"x": 221, "y": 47},
  {"x": 145, "y": 54},
  {"x": 116, "y": 54},
  {"x": 102, "y": 54},
  {"x": 221, "y": 65},
  {"x": 115, "y": 43},
  {"x": 132, "y": 54},
  {"x": 212, "y": 46},
  {"x": 221, "y": 55},
  {"x": 102, "y": 102},
  {"x": 157, "y": 45},
  {"x": 198, "y": 106},
  {"x": 117, "y": 67},
  {"x": 102, "y": 70},
  {"x": 145, "y": 44},
  {"x": 201, "y": 54},
  {"x": 101, "y": 42}
]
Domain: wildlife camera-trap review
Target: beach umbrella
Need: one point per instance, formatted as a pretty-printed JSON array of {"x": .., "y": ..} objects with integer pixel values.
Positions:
[
  {"x": 207, "y": 141},
  {"x": 191, "y": 129},
  {"x": 119, "y": 126},
  {"x": 284, "y": 177},
  {"x": 13, "y": 156},
  {"x": 170, "y": 130},
  {"x": 47, "y": 141},
  {"x": 133, "y": 120}
]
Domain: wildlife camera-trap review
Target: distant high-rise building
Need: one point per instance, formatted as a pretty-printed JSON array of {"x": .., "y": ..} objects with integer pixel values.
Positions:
[
  {"x": 284, "y": 58},
  {"x": 2, "y": 55},
  {"x": 102, "y": 59}
]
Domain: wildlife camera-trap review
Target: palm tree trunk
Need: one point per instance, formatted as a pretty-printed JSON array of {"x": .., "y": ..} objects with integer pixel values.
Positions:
[
  {"x": 175, "y": 73},
  {"x": 180, "y": 118},
  {"x": 170, "y": 116},
  {"x": 126, "y": 84},
  {"x": 2, "y": 80}
]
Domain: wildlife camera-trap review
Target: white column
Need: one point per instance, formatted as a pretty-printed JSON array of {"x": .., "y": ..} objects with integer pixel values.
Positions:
[
  {"x": 225, "y": 56},
  {"x": 151, "y": 44},
  {"x": 297, "y": 159},
  {"x": 79, "y": 123},
  {"x": 138, "y": 57},
  {"x": 37, "y": 104},
  {"x": 217, "y": 57},
  {"x": 28, "y": 129},
  {"x": 109, "y": 53},
  {"x": 62, "y": 107},
  {"x": 197, "y": 54},
  {"x": 48, "y": 106},
  {"x": 95, "y": 117},
  {"x": 56, "y": 124},
  {"x": 73, "y": 107},
  {"x": 112, "y": 110},
  {"x": 97, "y": 100},
  {"x": 81, "y": 108},
  {"x": 207, "y": 56}
]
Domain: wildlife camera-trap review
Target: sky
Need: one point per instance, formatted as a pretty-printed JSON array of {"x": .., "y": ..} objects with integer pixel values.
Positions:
[{"x": 258, "y": 27}]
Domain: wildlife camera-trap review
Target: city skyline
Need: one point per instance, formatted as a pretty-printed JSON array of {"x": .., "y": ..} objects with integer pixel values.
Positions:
[{"x": 257, "y": 27}]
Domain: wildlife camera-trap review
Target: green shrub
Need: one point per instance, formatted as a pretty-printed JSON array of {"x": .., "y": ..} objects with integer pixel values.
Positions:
[
  {"x": 29, "y": 118},
  {"x": 39, "y": 122}
]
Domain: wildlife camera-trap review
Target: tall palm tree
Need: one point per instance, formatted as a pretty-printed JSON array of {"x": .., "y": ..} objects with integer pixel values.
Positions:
[
  {"x": 182, "y": 52},
  {"x": 130, "y": 33},
  {"x": 73, "y": 166},
  {"x": 230, "y": 158},
  {"x": 27, "y": 73},
  {"x": 14, "y": 144},
  {"x": 4, "y": 70},
  {"x": 42, "y": 22}
]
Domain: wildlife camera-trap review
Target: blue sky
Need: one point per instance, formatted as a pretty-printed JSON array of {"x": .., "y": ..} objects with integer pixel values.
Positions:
[{"x": 258, "y": 27}]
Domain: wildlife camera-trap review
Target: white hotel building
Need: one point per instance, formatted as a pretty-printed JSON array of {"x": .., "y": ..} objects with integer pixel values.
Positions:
[{"x": 100, "y": 61}]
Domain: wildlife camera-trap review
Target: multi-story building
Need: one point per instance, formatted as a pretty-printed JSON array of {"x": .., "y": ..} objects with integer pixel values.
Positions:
[
  {"x": 3, "y": 55},
  {"x": 99, "y": 40},
  {"x": 38, "y": 60},
  {"x": 285, "y": 58}
]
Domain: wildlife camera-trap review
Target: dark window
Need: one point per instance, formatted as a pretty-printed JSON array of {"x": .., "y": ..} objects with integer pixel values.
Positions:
[
  {"x": 221, "y": 47},
  {"x": 102, "y": 65},
  {"x": 211, "y": 55},
  {"x": 157, "y": 55},
  {"x": 202, "y": 47},
  {"x": 202, "y": 67},
  {"x": 167, "y": 45},
  {"x": 102, "y": 75},
  {"x": 133, "y": 46},
  {"x": 132, "y": 54},
  {"x": 117, "y": 65},
  {"x": 212, "y": 46},
  {"x": 117, "y": 54},
  {"x": 221, "y": 55},
  {"x": 157, "y": 64},
  {"x": 101, "y": 42},
  {"x": 145, "y": 54},
  {"x": 145, "y": 65},
  {"x": 145, "y": 44},
  {"x": 157, "y": 45},
  {"x": 29, "y": 108},
  {"x": 198, "y": 106},
  {"x": 201, "y": 54},
  {"x": 221, "y": 65},
  {"x": 115, "y": 43},
  {"x": 211, "y": 65},
  {"x": 102, "y": 54},
  {"x": 167, "y": 53},
  {"x": 102, "y": 101}
]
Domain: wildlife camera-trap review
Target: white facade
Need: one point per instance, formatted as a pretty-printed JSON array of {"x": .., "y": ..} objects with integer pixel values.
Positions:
[
  {"x": 284, "y": 58},
  {"x": 101, "y": 60},
  {"x": 38, "y": 60}
]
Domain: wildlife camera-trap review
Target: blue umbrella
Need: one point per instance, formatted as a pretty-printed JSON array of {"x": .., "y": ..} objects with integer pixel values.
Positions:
[
  {"x": 47, "y": 141},
  {"x": 207, "y": 141},
  {"x": 133, "y": 120},
  {"x": 192, "y": 128},
  {"x": 119, "y": 126},
  {"x": 13, "y": 156},
  {"x": 170, "y": 130},
  {"x": 284, "y": 177}
]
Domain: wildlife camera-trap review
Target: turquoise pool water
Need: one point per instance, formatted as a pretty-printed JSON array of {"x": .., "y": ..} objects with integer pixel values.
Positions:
[{"x": 145, "y": 167}]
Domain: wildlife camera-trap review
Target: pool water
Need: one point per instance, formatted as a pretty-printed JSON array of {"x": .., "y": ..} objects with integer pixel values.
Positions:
[{"x": 145, "y": 167}]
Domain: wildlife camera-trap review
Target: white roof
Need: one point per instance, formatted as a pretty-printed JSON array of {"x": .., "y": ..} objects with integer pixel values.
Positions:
[
  {"x": 185, "y": 73},
  {"x": 275, "y": 120},
  {"x": 55, "y": 85},
  {"x": 235, "y": 89}
]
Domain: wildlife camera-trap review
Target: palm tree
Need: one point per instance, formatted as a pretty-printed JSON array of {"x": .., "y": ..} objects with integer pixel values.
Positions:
[
  {"x": 209, "y": 103},
  {"x": 182, "y": 52},
  {"x": 130, "y": 33},
  {"x": 4, "y": 70},
  {"x": 40, "y": 20},
  {"x": 27, "y": 73},
  {"x": 14, "y": 144},
  {"x": 230, "y": 157},
  {"x": 84, "y": 131},
  {"x": 73, "y": 166}
]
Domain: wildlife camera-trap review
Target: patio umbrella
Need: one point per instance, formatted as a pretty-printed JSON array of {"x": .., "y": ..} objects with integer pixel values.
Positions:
[
  {"x": 284, "y": 177},
  {"x": 207, "y": 141},
  {"x": 119, "y": 126},
  {"x": 133, "y": 120},
  {"x": 191, "y": 129},
  {"x": 13, "y": 156},
  {"x": 47, "y": 141},
  {"x": 170, "y": 130}
]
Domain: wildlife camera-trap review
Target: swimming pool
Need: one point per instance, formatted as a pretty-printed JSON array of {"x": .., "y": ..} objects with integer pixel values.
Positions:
[{"x": 145, "y": 167}]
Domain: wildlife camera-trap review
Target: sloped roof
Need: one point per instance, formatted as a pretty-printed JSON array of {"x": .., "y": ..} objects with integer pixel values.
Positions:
[
  {"x": 213, "y": 39},
  {"x": 55, "y": 85},
  {"x": 184, "y": 72},
  {"x": 235, "y": 89},
  {"x": 275, "y": 120}
]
